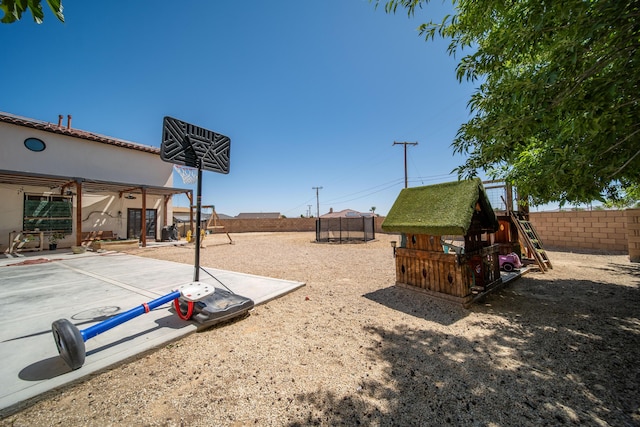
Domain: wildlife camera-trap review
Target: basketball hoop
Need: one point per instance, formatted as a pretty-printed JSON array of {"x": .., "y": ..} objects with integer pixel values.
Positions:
[
  {"x": 194, "y": 149},
  {"x": 188, "y": 175}
]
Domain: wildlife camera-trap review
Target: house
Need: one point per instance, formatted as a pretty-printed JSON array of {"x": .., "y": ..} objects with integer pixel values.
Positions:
[
  {"x": 424, "y": 216},
  {"x": 58, "y": 179},
  {"x": 346, "y": 213}
]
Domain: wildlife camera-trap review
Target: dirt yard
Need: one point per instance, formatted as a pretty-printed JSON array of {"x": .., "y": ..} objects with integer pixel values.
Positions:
[{"x": 350, "y": 348}]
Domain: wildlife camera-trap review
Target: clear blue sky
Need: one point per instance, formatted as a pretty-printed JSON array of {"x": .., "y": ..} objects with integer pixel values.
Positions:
[{"x": 311, "y": 93}]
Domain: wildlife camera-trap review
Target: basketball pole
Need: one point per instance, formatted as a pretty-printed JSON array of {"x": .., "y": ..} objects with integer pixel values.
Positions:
[{"x": 196, "y": 273}]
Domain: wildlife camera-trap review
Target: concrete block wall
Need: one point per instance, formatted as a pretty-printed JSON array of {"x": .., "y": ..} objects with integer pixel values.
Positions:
[
  {"x": 235, "y": 225},
  {"x": 633, "y": 234},
  {"x": 601, "y": 230}
]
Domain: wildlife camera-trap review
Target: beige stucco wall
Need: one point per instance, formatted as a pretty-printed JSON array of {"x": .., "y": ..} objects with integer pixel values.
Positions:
[
  {"x": 10, "y": 212},
  {"x": 108, "y": 212},
  {"x": 76, "y": 157}
]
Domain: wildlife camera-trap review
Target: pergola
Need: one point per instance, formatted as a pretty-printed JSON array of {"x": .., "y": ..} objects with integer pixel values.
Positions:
[{"x": 80, "y": 186}]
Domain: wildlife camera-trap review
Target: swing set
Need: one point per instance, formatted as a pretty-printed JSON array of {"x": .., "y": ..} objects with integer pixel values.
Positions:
[
  {"x": 189, "y": 175},
  {"x": 213, "y": 225}
]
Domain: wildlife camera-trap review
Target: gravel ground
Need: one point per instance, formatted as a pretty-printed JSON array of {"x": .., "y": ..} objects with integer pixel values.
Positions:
[{"x": 350, "y": 348}]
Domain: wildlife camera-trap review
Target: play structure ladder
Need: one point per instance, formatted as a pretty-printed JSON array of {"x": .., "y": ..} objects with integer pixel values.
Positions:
[{"x": 532, "y": 241}]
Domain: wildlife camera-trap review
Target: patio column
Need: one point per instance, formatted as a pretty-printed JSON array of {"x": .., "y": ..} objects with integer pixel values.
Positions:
[
  {"x": 78, "y": 213},
  {"x": 143, "y": 231}
]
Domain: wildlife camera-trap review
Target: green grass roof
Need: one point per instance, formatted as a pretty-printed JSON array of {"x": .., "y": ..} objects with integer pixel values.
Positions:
[{"x": 441, "y": 209}]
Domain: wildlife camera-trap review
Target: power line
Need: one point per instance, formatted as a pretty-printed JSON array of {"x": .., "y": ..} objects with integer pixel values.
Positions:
[
  {"x": 369, "y": 194},
  {"x": 301, "y": 204},
  {"x": 375, "y": 189},
  {"x": 386, "y": 185},
  {"x": 423, "y": 179}
]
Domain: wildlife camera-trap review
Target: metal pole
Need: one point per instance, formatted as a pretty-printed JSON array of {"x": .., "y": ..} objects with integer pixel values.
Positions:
[
  {"x": 406, "y": 181},
  {"x": 116, "y": 320},
  {"x": 196, "y": 273},
  {"x": 317, "y": 200}
]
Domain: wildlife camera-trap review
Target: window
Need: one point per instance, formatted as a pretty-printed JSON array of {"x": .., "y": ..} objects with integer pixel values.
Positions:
[
  {"x": 48, "y": 213},
  {"x": 35, "y": 144},
  {"x": 134, "y": 223}
]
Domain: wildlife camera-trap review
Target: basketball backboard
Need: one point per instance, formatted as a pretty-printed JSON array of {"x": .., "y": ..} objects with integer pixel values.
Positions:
[{"x": 189, "y": 145}]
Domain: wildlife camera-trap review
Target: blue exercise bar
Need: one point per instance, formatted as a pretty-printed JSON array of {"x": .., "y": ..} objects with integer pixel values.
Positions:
[{"x": 116, "y": 320}]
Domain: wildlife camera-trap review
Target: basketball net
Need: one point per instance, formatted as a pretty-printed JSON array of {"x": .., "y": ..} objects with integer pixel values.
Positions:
[{"x": 188, "y": 175}]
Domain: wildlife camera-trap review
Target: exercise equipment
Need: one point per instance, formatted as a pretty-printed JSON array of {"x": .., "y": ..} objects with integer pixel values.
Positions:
[{"x": 196, "y": 301}]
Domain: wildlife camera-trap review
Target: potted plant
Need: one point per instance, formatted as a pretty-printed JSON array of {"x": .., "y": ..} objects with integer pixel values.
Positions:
[{"x": 53, "y": 240}]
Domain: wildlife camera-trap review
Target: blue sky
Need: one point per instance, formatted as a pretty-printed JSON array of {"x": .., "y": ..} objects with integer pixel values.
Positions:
[{"x": 311, "y": 93}]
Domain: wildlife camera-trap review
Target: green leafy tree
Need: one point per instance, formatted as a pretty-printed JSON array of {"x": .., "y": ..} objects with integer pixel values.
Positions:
[
  {"x": 13, "y": 10},
  {"x": 631, "y": 198},
  {"x": 557, "y": 110}
]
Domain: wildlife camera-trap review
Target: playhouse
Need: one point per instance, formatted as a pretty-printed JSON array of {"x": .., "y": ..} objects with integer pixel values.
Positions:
[{"x": 430, "y": 216}]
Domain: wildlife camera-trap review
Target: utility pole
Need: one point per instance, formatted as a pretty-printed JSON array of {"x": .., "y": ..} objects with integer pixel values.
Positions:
[
  {"x": 308, "y": 211},
  {"x": 317, "y": 198},
  {"x": 405, "y": 158}
]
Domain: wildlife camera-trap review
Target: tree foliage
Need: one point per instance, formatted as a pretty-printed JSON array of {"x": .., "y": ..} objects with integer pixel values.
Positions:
[
  {"x": 13, "y": 10},
  {"x": 556, "y": 112}
]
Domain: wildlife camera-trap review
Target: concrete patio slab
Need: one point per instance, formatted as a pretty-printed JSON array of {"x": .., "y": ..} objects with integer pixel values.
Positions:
[{"x": 88, "y": 288}]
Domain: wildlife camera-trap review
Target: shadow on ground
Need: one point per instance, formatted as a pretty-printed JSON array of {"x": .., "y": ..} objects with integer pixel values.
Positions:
[
  {"x": 576, "y": 364},
  {"x": 431, "y": 309}
]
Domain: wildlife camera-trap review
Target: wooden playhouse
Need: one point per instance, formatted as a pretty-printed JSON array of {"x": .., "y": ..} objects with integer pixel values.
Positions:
[{"x": 424, "y": 217}]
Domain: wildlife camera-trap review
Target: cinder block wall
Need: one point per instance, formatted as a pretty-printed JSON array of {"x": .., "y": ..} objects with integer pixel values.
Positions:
[
  {"x": 234, "y": 225},
  {"x": 592, "y": 230},
  {"x": 633, "y": 234}
]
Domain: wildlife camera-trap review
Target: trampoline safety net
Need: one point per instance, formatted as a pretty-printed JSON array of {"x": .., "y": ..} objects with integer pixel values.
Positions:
[{"x": 345, "y": 229}]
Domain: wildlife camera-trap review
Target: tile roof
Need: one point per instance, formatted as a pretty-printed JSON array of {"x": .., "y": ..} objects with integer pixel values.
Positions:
[{"x": 69, "y": 131}]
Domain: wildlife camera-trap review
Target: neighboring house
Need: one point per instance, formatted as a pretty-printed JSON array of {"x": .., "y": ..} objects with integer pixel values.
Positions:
[
  {"x": 54, "y": 178},
  {"x": 182, "y": 215},
  {"x": 346, "y": 213},
  {"x": 259, "y": 215}
]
